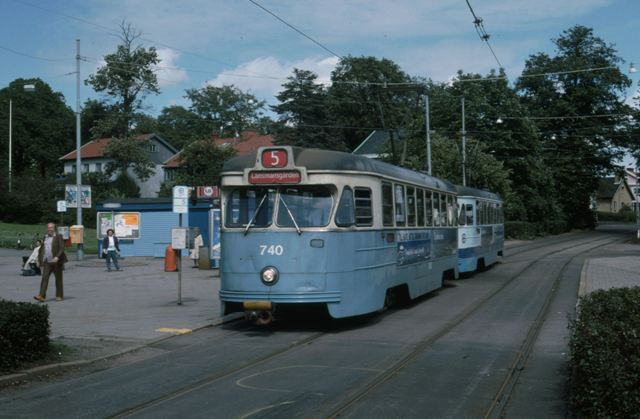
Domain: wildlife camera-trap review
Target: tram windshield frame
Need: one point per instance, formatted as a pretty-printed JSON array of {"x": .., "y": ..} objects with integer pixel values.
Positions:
[{"x": 299, "y": 206}]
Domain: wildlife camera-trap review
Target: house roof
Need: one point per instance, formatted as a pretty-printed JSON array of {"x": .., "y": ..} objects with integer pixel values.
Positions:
[
  {"x": 94, "y": 149},
  {"x": 607, "y": 188},
  {"x": 247, "y": 142},
  {"x": 376, "y": 142}
]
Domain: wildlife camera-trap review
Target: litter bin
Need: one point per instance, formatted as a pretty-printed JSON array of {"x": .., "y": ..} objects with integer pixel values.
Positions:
[
  {"x": 170, "y": 259},
  {"x": 203, "y": 258}
]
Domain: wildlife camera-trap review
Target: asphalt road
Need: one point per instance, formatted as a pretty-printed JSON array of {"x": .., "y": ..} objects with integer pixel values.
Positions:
[{"x": 492, "y": 345}]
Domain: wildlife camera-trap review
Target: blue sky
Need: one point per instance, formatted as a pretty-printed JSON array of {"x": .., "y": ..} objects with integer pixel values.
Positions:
[{"x": 235, "y": 42}]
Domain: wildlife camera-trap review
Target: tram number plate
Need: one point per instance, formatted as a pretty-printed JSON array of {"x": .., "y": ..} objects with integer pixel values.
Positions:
[{"x": 273, "y": 249}]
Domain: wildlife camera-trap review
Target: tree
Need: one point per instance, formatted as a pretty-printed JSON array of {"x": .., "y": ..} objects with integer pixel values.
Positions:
[
  {"x": 303, "y": 113},
  {"x": 200, "y": 164},
  {"x": 181, "y": 126},
  {"x": 93, "y": 114},
  {"x": 581, "y": 115},
  {"x": 364, "y": 96},
  {"x": 129, "y": 153},
  {"x": 126, "y": 79},
  {"x": 42, "y": 125},
  {"x": 226, "y": 110}
]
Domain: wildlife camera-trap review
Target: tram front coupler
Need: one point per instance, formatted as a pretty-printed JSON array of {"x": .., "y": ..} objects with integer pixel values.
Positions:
[{"x": 259, "y": 312}]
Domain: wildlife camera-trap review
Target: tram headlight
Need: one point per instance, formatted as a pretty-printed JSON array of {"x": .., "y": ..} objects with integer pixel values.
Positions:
[{"x": 269, "y": 275}]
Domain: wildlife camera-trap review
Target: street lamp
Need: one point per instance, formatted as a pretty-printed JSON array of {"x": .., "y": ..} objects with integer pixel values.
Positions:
[{"x": 27, "y": 88}]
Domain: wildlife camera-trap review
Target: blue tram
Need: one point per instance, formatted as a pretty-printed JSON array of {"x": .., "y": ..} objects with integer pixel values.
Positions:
[
  {"x": 305, "y": 226},
  {"x": 481, "y": 229}
]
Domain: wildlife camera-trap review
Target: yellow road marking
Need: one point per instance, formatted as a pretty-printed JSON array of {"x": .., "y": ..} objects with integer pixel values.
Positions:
[{"x": 172, "y": 330}]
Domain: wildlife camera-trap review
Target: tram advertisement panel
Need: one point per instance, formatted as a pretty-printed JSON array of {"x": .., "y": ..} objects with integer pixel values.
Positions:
[{"x": 413, "y": 246}]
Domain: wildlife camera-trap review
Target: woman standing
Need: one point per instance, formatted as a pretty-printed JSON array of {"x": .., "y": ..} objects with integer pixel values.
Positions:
[{"x": 111, "y": 249}]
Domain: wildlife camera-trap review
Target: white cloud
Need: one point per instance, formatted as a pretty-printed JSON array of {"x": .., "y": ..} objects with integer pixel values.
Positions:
[
  {"x": 264, "y": 76},
  {"x": 167, "y": 71}
]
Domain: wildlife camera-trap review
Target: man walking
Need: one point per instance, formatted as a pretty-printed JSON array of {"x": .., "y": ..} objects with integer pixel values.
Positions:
[{"x": 52, "y": 259}]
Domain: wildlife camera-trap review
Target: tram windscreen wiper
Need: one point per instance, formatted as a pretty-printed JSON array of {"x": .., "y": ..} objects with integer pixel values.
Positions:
[
  {"x": 290, "y": 215},
  {"x": 255, "y": 213}
]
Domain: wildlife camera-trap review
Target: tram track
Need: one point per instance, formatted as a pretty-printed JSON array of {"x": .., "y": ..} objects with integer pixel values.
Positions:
[
  {"x": 501, "y": 399},
  {"x": 212, "y": 378},
  {"x": 362, "y": 392}
]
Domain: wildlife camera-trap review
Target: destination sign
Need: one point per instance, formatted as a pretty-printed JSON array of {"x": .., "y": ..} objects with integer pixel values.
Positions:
[{"x": 289, "y": 176}]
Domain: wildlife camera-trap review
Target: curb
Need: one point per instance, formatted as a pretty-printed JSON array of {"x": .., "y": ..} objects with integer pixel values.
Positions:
[
  {"x": 43, "y": 369},
  {"x": 582, "y": 289}
]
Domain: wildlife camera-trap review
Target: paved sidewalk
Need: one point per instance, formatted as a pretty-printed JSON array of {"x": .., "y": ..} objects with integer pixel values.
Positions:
[
  {"x": 134, "y": 304},
  {"x": 621, "y": 270}
]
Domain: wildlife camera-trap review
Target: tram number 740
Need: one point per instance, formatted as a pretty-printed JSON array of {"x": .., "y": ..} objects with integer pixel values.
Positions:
[{"x": 274, "y": 249}]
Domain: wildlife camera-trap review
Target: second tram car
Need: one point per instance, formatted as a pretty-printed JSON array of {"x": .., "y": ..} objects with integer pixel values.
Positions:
[
  {"x": 480, "y": 230},
  {"x": 305, "y": 226}
]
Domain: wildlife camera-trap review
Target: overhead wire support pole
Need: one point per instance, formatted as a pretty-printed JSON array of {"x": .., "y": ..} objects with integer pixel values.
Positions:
[
  {"x": 428, "y": 128},
  {"x": 464, "y": 147},
  {"x": 10, "y": 139},
  {"x": 78, "y": 159}
]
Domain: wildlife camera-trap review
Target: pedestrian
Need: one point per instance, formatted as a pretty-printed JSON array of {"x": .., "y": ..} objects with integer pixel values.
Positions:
[
  {"x": 111, "y": 249},
  {"x": 194, "y": 252},
  {"x": 51, "y": 258}
]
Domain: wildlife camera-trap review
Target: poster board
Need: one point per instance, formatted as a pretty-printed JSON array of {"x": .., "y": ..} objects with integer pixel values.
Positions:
[
  {"x": 126, "y": 225},
  {"x": 71, "y": 196}
]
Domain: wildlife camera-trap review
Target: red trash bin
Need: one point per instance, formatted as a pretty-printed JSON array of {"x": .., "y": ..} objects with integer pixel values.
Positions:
[{"x": 170, "y": 259}]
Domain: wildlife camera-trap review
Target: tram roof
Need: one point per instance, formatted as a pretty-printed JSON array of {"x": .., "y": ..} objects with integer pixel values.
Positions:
[
  {"x": 316, "y": 159},
  {"x": 478, "y": 193}
]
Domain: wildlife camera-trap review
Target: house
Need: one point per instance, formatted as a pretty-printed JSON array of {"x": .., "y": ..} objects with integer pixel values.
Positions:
[
  {"x": 613, "y": 195},
  {"x": 377, "y": 144},
  {"x": 631, "y": 177},
  {"x": 93, "y": 159},
  {"x": 245, "y": 143}
]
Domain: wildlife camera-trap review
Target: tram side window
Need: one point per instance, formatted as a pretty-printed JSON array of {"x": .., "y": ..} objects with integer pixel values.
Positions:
[
  {"x": 420, "y": 206},
  {"x": 443, "y": 210},
  {"x": 411, "y": 207},
  {"x": 469, "y": 214},
  {"x": 450, "y": 211},
  {"x": 243, "y": 204},
  {"x": 461, "y": 215},
  {"x": 364, "y": 209},
  {"x": 428, "y": 205},
  {"x": 387, "y": 204},
  {"x": 478, "y": 221},
  {"x": 400, "y": 209},
  {"x": 436, "y": 209},
  {"x": 345, "y": 215}
]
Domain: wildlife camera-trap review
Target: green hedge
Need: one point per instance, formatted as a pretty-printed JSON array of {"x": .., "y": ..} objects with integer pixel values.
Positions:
[
  {"x": 624, "y": 216},
  {"x": 521, "y": 230},
  {"x": 24, "y": 333},
  {"x": 605, "y": 355}
]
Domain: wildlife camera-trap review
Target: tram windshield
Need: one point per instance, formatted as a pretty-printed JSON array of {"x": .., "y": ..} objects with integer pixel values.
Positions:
[
  {"x": 304, "y": 206},
  {"x": 298, "y": 206}
]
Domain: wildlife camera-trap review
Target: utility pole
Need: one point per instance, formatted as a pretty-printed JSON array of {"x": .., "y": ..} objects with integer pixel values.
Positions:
[
  {"x": 78, "y": 160},
  {"x": 10, "y": 139},
  {"x": 464, "y": 149},
  {"x": 428, "y": 128}
]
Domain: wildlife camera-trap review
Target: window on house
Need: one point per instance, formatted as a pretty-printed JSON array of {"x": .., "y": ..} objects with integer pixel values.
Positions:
[
  {"x": 85, "y": 168},
  {"x": 153, "y": 148},
  {"x": 98, "y": 167},
  {"x": 73, "y": 168}
]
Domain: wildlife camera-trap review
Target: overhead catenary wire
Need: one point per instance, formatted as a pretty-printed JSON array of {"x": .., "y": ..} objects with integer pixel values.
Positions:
[
  {"x": 318, "y": 43},
  {"x": 482, "y": 33}
]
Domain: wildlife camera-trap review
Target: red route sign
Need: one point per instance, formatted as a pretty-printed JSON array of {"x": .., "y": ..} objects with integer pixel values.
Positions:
[
  {"x": 289, "y": 176},
  {"x": 274, "y": 158}
]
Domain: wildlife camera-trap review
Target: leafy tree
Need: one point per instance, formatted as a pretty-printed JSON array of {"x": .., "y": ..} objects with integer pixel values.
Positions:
[
  {"x": 580, "y": 143},
  {"x": 181, "y": 126},
  {"x": 226, "y": 110},
  {"x": 129, "y": 153},
  {"x": 363, "y": 97},
  {"x": 42, "y": 125},
  {"x": 93, "y": 113},
  {"x": 126, "y": 79},
  {"x": 303, "y": 113}
]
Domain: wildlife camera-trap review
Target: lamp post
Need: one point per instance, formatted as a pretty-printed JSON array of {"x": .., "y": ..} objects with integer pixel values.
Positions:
[{"x": 80, "y": 253}]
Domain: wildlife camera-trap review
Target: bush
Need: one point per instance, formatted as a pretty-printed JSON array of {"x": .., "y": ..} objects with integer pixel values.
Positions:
[
  {"x": 624, "y": 216},
  {"x": 604, "y": 358},
  {"x": 520, "y": 230},
  {"x": 24, "y": 333}
]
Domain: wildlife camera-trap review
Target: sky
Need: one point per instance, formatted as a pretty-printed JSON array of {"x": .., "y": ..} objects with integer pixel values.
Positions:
[{"x": 223, "y": 42}]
